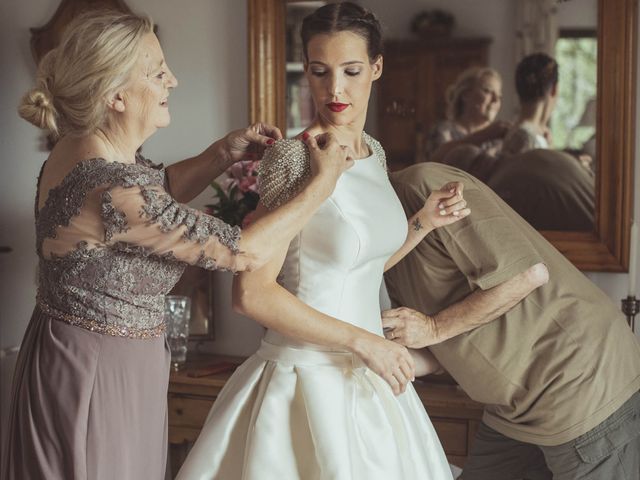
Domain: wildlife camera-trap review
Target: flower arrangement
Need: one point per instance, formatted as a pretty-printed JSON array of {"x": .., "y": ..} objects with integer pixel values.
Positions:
[{"x": 237, "y": 194}]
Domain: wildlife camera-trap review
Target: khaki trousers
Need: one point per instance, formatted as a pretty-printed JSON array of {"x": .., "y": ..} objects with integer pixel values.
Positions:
[{"x": 610, "y": 451}]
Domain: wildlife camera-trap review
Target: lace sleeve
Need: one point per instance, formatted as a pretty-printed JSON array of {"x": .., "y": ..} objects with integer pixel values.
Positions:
[
  {"x": 146, "y": 219},
  {"x": 284, "y": 169},
  {"x": 438, "y": 135},
  {"x": 144, "y": 161}
]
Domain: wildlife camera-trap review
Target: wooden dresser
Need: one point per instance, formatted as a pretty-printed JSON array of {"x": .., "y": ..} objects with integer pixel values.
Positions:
[
  {"x": 412, "y": 91},
  {"x": 454, "y": 415}
]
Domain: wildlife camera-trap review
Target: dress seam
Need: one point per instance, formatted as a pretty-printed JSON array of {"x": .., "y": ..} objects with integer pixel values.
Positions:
[{"x": 91, "y": 397}]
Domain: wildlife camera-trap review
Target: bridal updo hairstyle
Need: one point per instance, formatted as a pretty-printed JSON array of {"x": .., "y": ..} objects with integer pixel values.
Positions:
[
  {"x": 94, "y": 60},
  {"x": 536, "y": 75},
  {"x": 344, "y": 17}
]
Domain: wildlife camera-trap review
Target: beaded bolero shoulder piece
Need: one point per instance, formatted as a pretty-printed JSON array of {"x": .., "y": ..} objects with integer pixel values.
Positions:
[{"x": 285, "y": 168}]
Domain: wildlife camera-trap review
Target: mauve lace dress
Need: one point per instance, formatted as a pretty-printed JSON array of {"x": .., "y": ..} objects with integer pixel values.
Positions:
[{"x": 89, "y": 396}]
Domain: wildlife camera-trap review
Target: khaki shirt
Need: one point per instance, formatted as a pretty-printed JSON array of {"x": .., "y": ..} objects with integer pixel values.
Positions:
[{"x": 554, "y": 366}]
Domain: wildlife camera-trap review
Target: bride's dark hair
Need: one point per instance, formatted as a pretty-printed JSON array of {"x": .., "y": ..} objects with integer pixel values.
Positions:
[
  {"x": 536, "y": 74},
  {"x": 344, "y": 17}
]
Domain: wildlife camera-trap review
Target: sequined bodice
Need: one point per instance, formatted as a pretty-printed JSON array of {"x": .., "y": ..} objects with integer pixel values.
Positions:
[{"x": 112, "y": 242}]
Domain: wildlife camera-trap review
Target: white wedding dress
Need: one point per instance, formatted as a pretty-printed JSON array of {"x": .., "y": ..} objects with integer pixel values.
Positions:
[{"x": 296, "y": 411}]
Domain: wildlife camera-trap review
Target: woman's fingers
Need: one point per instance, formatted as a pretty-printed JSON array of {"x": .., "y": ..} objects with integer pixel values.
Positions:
[
  {"x": 392, "y": 362},
  {"x": 393, "y": 382},
  {"x": 453, "y": 188},
  {"x": 310, "y": 141},
  {"x": 269, "y": 131},
  {"x": 450, "y": 203},
  {"x": 402, "y": 379},
  {"x": 408, "y": 370}
]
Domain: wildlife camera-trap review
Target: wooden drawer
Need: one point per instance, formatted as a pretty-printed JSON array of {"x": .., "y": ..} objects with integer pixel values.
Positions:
[
  {"x": 453, "y": 435},
  {"x": 187, "y": 411}
]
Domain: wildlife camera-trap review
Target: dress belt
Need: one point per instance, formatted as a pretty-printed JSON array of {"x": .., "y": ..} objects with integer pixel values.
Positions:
[
  {"x": 301, "y": 356},
  {"x": 103, "y": 328}
]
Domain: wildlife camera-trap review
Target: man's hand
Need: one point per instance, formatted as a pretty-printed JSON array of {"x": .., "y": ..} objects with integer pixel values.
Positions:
[{"x": 409, "y": 327}]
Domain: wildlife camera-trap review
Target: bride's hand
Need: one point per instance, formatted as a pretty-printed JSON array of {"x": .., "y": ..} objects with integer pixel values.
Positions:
[
  {"x": 328, "y": 158},
  {"x": 388, "y": 359},
  {"x": 444, "y": 206}
]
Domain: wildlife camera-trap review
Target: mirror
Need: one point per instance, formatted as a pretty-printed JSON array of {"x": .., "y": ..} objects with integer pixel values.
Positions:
[{"x": 601, "y": 246}]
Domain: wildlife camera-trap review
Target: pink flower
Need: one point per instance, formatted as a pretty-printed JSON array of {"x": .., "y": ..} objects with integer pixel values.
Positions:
[
  {"x": 236, "y": 170},
  {"x": 247, "y": 184},
  {"x": 228, "y": 183},
  {"x": 250, "y": 168},
  {"x": 248, "y": 219}
]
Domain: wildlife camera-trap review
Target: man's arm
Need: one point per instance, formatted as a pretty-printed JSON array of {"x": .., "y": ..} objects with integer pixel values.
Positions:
[{"x": 417, "y": 330}]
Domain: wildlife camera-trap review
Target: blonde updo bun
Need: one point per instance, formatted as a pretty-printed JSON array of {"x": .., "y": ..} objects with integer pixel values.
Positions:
[
  {"x": 37, "y": 108},
  {"x": 94, "y": 60}
]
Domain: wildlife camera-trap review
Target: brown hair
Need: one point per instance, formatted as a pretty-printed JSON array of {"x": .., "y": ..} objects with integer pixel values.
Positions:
[
  {"x": 536, "y": 75},
  {"x": 344, "y": 17}
]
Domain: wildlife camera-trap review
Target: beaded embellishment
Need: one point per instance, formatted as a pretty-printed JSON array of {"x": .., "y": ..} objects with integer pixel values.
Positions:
[
  {"x": 285, "y": 168},
  {"x": 102, "y": 327}
]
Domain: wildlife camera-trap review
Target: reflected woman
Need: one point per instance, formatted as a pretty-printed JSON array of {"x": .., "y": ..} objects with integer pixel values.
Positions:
[
  {"x": 473, "y": 102},
  {"x": 327, "y": 396}
]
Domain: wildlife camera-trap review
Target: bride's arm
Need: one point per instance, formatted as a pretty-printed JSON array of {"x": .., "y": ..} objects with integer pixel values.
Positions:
[
  {"x": 257, "y": 295},
  {"x": 443, "y": 207},
  {"x": 426, "y": 362}
]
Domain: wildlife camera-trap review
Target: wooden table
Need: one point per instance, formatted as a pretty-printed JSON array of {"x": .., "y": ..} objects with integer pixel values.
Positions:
[{"x": 454, "y": 415}]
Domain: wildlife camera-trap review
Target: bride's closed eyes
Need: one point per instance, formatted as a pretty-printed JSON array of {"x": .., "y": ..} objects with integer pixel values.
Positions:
[{"x": 323, "y": 72}]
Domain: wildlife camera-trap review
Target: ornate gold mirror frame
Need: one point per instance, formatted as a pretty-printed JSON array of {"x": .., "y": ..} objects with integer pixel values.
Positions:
[{"x": 604, "y": 249}]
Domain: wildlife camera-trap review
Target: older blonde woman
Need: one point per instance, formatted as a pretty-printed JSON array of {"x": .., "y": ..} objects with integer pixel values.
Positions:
[
  {"x": 89, "y": 392},
  {"x": 473, "y": 103}
]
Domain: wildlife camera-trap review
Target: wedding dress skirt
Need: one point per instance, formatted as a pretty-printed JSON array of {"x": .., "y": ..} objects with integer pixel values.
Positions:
[
  {"x": 293, "y": 411},
  {"x": 290, "y": 413}
]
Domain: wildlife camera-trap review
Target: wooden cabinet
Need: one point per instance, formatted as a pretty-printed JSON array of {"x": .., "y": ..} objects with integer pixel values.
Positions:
[
  {"x": 454, "y": 415},
  {"x": 412, "y": 90}
]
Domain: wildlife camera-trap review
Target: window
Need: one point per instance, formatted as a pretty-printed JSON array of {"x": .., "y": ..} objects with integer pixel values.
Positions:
[{"x": 573, "y": 120}]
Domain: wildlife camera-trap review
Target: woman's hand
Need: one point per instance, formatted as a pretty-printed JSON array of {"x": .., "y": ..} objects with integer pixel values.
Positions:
[
  {"x": 388, "y": 359},
  {"x": 329, "y": 159},
  {"x": 249, "y": 143},
  {"x": 494, "y": 131},
  {"x": 443, "y": 207}
]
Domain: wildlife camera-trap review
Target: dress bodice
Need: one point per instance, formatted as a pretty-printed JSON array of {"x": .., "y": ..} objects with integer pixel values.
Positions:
[
  {"x": 112, "y": 242},
  {"x": 335, "y": 264}
]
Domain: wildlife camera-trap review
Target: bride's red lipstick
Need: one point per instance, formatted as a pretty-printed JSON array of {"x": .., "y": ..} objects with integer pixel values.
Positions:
[{"x": 337, "y": 107}]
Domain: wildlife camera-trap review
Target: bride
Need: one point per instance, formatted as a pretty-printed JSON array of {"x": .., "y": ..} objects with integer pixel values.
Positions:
[{"x": 327, "y": 396}]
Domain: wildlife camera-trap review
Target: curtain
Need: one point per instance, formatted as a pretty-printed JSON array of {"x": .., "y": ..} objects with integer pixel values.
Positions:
[{"x": 536, "y": 27}]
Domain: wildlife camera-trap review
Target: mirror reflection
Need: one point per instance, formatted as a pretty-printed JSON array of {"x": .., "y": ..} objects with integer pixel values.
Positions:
[{"x": 513, "y": 103}]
